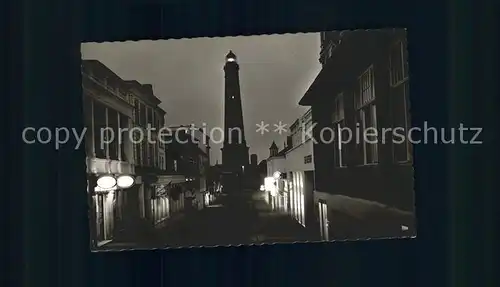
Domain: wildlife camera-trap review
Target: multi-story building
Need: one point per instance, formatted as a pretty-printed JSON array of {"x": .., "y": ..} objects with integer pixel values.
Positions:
[
  {"x": 154, "y": 181},
  {"x": 363, "y": 185},
  {"x": 188, "y": 153},
  {"x": 290, "y": 174},
  {"x": 110, "y": 159},
  {"x": 300, "y": 171}
]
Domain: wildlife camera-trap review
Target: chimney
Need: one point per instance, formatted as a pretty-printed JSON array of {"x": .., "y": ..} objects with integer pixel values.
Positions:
[{"x": 253, "y": 159}]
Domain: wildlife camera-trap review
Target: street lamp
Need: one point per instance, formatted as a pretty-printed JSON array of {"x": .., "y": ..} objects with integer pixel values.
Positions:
[
  {"x": 277, "y": 175},
  {"x": 125, "y": 181},
  {"x": 106, "y": 181},
  {"x": 109, "y": 181}
]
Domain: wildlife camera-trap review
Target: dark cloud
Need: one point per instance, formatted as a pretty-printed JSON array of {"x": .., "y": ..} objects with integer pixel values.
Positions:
[{"x": 187, "y": 76}]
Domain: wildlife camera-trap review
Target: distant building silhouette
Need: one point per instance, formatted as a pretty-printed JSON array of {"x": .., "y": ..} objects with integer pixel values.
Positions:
[
  {"x": 273, "y": 150},
  {"x": 253, "y": 159}
]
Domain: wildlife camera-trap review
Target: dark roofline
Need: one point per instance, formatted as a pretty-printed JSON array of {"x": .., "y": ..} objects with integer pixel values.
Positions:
[
  {"x": 146, "y": 93},
  {"x": 273, "y": 146},
  {"x": 162, "y": 111},
  {"x": 99, "y": 67}
]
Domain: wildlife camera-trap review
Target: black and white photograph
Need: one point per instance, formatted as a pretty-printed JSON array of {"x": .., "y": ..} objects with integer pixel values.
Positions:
[{"x": 247, "y": 140}]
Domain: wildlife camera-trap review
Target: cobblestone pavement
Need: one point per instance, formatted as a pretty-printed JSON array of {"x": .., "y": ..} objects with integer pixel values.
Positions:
[{"x": 233, "y": 219}]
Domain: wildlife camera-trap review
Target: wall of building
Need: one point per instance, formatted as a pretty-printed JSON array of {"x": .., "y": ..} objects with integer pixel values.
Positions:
[
  {"x": 374, "y": 199},
  {"x": 300, "y": 158},
  {"x": 351, "y": 217},
  {"x": 105, "y": 106},
  {"x": 276, "y": 164},
  {"x": 343, "y": 180}
]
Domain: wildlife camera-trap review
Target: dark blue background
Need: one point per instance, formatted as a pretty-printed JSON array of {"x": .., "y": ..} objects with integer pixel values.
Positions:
[{"x": 46, "y": 206}]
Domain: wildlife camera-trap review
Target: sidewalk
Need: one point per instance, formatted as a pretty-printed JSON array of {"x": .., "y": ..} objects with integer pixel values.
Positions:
[
  {"x": 233, "y": 219},
  {"x": 278, "y": 227}
]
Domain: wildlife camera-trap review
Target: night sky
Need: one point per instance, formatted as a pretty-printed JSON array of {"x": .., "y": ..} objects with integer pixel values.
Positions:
[{"x": 187, "y": 76}]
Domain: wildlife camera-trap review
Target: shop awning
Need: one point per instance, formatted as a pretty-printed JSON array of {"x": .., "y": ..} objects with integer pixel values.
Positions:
[{"x": 173, "y": 179}]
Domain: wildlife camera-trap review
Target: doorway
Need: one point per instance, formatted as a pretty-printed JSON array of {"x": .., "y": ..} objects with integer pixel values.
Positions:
[
  {"x": 99, "y": 199},
  {"x": 323, "y": 220}
]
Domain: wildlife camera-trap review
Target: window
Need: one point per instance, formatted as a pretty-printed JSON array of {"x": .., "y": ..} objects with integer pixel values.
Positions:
[
  {"x": 307, "y": 131},
  {"x": 366, "y": 116},
  {"x": 323, "y": 220},
  {"x": 142, "y": 114},
  {"x": 338, "y": 120},
  {"x": 87, "y": 112},
  {"x": 112, "y": 134},
  {"x": 138, "y": 152},
  {"x": 124, "y": 136},
  {"x": 99, "y": 124},
  {"x": 136, "y": 112},
  {"x": 154, "y": 118},
  {"x": 307, "y": 159},
  {"x": 175, "y": 165},
  {"x": 400, "y": 101},
  {"x": 150, "y": 116},
  {"x": 150, "y": 154},
  {"x": 144, "y": 152},
  {"x": 398, "y": 63}
]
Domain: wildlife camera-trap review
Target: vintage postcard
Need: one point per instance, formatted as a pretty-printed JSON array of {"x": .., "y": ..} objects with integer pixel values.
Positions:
[{"x": 248, "y": 140}]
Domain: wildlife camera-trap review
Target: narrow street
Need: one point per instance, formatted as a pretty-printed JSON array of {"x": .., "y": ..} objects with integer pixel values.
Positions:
[{"x": 233, "y": 219}]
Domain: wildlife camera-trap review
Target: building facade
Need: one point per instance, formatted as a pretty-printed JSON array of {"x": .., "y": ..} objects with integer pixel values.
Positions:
[
  {"x": 107, "y": 115},
  {"x": 289, "y": 182},
  {"x": 188, "y": 153},
  {"x": 146, "y": 203},
  {"x": 363, "y": 182},
  {"x": 275, "y": 183},
  {"x": 300, "y": 171}
]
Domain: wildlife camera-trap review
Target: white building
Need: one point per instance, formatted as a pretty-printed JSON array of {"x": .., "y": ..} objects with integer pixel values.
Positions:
[
  {"x": 276, "y": 164},
  {"x": 300, "y": 169},
  {"x": 106, "y": 109},
  {"x": 292, "y": 191}
]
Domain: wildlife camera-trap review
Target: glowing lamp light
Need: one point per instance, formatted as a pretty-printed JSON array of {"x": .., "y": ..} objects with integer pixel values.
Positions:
[
  {"x": 268, "y": 183},
  {"x": 125, "y": 181},
  {"x": 231, "y": 59},
  {"x": 262, "y": 188},
  {"x": 277, "y": 175},
  {"x": 106, "y": 182},
  {"x": 274, "y": 192}
]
